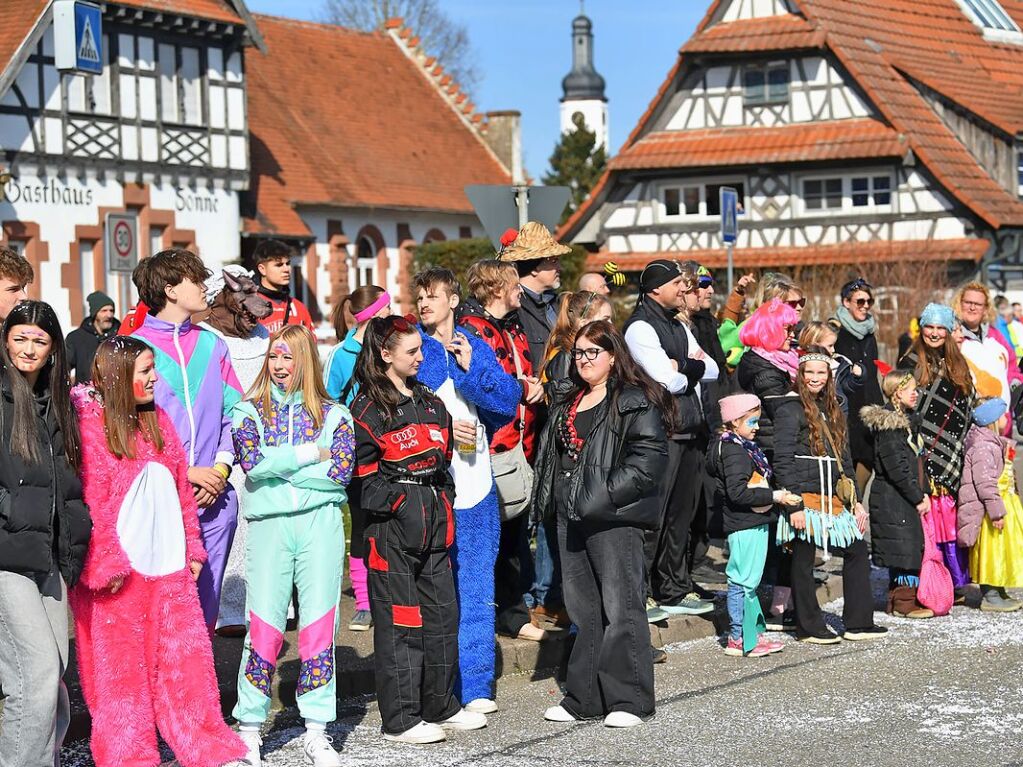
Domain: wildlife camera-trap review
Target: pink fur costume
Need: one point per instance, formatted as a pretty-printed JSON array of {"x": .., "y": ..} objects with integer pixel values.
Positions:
[{"x": 144, "y": 656}]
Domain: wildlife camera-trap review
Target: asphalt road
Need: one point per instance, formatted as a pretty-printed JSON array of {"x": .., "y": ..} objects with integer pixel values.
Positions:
[{"x": 947, "y": 691}]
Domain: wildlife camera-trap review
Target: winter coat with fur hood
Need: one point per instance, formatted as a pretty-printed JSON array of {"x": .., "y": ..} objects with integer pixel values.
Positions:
[
  {"x": 109, "y": 482},
  {"x": 978, "y": 491},
  {"x": 896, "y": 536}
]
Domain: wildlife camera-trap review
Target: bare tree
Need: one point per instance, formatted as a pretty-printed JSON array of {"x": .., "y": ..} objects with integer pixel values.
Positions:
[{"x": 440, "y": 35}]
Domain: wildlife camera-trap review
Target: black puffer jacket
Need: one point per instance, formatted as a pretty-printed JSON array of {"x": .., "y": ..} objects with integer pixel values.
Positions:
[
  {"x": 42, "y": 514},
  {"x": 620, "y": 469},
  {"x": 758, "y": 376},
  {"x": 732, "y": 468},
  {"x": 81, "y": 345},
  {"x": 802, "y": 475},
  {"x": 705, "y": 328},
  {"x": 896, "y": 537},
  {"x": 862, "y": 352}
]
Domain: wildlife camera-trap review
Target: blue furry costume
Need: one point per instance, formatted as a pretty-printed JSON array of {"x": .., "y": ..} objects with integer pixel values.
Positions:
[{"x": 495, "y": 397}]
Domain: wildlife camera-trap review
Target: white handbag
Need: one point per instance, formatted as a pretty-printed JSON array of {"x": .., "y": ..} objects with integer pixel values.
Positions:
[{"x": 513, "y": 476}]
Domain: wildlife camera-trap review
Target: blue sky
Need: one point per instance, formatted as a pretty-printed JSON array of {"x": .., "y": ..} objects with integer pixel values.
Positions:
[{"x": 523, "y": 49}]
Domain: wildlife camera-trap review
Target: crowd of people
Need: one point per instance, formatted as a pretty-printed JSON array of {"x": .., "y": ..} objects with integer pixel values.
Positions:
[{"x": 513, "y": 460}]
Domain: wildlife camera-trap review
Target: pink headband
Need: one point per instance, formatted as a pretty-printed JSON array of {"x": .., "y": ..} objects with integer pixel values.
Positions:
[{"x": 373, "y": 308}]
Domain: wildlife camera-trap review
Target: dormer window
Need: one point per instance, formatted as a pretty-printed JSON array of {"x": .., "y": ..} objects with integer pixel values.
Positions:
[
  {"x": 765, "y": 85},
  {"x": 992, "y": 18}
]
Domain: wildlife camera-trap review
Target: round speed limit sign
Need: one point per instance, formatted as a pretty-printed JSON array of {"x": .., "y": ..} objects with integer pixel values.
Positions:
[{"x": 123, "y": 239}]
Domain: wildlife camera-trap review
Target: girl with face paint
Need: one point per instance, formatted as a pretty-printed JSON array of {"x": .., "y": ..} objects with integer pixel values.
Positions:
[
  {"x": 744, "y": 490},
  {"x": 144, "y": 655},
  {"x": 297, "y": 448}
]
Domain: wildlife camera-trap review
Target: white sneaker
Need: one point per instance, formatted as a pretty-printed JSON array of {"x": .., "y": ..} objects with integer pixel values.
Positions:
[
  {"x": 465, "y": 720},
  {"x": 621, "y": 719},
  {"x": 482, "y": 706},
  {"x": 424, "y": 732},
  {"x": 252, "y": 743},
  {"x": 319, "y": 750},
  {"x": 558, "y": 714}
]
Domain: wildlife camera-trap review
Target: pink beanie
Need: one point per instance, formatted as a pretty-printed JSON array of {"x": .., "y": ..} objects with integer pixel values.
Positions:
[{"x": 737, "y": 405}]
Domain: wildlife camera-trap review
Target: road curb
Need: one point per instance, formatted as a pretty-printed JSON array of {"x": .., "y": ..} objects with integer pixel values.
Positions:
[{"x": 514, "y": 656}]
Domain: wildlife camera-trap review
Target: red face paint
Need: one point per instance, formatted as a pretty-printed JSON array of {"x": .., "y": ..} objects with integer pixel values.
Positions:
[{"x": 139, "y": 389}]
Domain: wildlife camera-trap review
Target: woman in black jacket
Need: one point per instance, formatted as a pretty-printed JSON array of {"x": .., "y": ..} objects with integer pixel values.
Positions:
[
  {"x": 600, "y": 464},
  {"x": 811, "y": 458},
  {"x": 898, "y": 500},
  {"x": 44, "y": 532}
]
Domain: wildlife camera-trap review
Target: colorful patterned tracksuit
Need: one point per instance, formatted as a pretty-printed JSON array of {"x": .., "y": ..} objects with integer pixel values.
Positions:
[
  {"x": 295, "y": 537},
  {"x": 197, "y": 388}
]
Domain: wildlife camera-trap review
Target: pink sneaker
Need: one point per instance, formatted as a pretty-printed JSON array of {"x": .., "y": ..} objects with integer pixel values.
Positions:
[
  {"x": 769, "y": 646},
  {"x": 734, "y": 648}
]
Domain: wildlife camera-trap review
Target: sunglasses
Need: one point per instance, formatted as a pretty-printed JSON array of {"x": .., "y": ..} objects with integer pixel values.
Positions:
[
  {"x": 798, "y": 303},
  {"x": 398, "y": 324},
  {"x": 590, "y": 354},
  {"x": 706, "y": 282},
  {"x": 861, "y": 302}
]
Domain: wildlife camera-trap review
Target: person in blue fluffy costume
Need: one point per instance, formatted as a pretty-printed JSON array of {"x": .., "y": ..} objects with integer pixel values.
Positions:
[{"x": 481, "y": 397}]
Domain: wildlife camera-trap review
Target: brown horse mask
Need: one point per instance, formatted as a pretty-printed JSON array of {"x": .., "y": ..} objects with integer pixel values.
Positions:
[{"x": 238, "y": 308}]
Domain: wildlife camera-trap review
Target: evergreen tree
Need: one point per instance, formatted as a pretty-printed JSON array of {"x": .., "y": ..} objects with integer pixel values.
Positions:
[{"x": 577, "y": 162}]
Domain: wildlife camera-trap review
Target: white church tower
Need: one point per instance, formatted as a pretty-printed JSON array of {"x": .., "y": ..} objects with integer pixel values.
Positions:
[{"x": 583, "y": 87}]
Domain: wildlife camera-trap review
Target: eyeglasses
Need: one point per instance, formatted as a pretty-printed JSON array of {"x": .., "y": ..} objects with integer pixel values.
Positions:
[
  {"x": 861, "y": 302},
  {"x": 590, "y": 354},
  {"x": 975, "y": 304},
  {"x": 798, "y": 303}
]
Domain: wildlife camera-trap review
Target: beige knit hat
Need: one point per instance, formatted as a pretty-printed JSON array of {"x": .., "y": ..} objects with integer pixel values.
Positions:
[{"x": 535, "y": 241}]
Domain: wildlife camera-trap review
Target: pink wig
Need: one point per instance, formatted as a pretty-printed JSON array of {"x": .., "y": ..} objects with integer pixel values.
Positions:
[{"x": 765, "y": 329}]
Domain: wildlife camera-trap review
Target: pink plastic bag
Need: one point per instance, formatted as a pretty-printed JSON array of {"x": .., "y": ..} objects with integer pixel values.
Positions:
[{"x": 935, "y": 590}]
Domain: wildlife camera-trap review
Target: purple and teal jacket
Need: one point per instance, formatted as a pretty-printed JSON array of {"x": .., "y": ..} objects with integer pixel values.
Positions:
[{"x": 197, "y": 387}]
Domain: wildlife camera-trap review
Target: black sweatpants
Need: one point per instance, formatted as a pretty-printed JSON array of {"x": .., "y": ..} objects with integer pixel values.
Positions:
[
  {"x": 611, "y": 666},
  {"x": 681, "y": 541},
  {"x": 511, "y": 613},
  {"x": 858, "y": 612},
  {"x": 415, "y": 631}
]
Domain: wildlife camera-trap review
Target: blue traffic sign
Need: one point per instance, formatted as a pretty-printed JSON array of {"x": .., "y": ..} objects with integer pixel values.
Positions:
[
  {"x": 729, "y": 215},
  {"x": 88, "y": 38}
]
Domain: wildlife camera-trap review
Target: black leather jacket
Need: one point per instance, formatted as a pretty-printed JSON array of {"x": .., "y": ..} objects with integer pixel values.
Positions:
[{"x": 620, "y": 468}]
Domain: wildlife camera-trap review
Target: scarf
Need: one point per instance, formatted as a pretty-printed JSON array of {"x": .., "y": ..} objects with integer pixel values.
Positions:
[
  {"x": 858, "y": 329},
  {"x": 755, "y": 453},
  {"x": 786, "y": 360}
]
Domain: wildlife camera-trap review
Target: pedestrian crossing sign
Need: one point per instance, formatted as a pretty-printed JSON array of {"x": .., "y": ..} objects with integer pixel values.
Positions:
[
  {"x": 729, "y": 215},
  {"x": 78, "y": 36}
]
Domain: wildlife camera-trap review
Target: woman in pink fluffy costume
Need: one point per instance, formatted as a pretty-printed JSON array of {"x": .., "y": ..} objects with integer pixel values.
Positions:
[{"x": 144, "y": 655}]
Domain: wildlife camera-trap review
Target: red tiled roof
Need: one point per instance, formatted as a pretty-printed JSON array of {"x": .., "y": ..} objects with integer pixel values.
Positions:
[
  {"x": 880, "y": 43},
  {"x": 345, "y": 118},
  {"x": 19, "y": 17},
  {"x": 776, "y": 33},
  {"x": 816, "y": 255},
  {"x": 214, "y": 10},
  {"x": 801, "y": 142}
]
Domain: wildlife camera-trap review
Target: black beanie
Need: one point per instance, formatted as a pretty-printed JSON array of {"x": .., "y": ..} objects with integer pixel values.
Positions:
[
  {"x": 657, "y": 273},
  {"x": 97, "y": 301}
]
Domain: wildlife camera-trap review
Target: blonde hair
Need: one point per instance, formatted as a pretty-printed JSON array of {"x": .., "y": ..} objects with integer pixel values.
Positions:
[
  {"x": 814, "y": 333},
  {"x": 487, "y": 279},
  {"x": 690, "y": 279},
  {"x": 975, "y": 287},
  {"x": 772, "y": 285},
  {"x": 574, "y": 311},
  {"x": 307, "y": 378},
  {"x": 894, "y": 380}
]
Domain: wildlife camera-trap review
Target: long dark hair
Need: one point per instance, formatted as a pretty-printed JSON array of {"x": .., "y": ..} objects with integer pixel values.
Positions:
[
  {"x": 625, "y": 371},
  {"x": 370, "y": 368},
  {"x": 113, "y": 371},
  {"x": 24, "y": 438},
  {"x": 820, "y": 407}
]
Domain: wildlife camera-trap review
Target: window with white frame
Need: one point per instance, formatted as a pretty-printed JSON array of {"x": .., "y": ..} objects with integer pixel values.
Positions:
[
  {"x": 871, "y": 191},
  {"x": 365, "y": 262},
  {"x": 695, "y": 200},
  {"x": 822, "y": 193},
  {"x": 765, "y": 85},
  {"x": 989, "y": 15}
]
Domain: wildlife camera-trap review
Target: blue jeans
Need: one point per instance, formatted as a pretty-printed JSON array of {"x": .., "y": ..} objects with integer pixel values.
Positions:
[{"x": 542, "y": 576}]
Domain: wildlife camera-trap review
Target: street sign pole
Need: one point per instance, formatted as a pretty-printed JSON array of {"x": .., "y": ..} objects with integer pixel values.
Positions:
[
  {"x": 500, "y": 208},
  {"x": 729, "y": 199}
]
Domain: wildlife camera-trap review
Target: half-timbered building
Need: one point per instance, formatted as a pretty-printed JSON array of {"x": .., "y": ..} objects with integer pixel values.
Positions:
[
  {"x": 362, "y": 146},
  {"x": 161, "y": 134},
  {"x": 854, "y": 132}
]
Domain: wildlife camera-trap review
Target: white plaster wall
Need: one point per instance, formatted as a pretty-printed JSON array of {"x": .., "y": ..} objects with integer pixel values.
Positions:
[
  {"x": 750, "y": 9},
  {"x": 595, "y": 115}
]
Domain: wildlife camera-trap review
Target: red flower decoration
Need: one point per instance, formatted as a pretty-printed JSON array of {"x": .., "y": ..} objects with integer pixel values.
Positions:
[{"x": 509, "y": 236}]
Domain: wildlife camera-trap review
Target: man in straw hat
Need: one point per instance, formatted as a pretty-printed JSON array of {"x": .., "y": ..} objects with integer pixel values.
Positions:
[
  {"x": 660, "y": 344},
  {"x": 537, "y": 258}
]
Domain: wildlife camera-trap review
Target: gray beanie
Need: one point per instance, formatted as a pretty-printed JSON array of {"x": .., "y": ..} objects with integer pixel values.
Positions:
[{"x": 97, "y": 301}]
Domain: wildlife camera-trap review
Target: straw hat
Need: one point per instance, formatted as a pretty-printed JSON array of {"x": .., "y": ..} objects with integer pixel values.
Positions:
[{"x": 535, "y": 241}]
